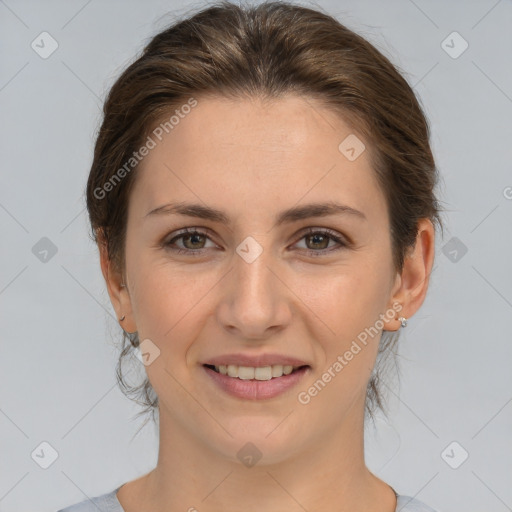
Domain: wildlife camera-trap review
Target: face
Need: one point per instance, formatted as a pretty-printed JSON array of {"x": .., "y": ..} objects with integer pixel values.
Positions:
[{"x": 259, "y": 274}]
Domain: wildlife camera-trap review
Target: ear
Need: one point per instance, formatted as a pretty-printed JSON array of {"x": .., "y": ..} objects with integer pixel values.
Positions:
[
  {"x": 411, "y": 285},
  {"x": 119, "y": 295}
]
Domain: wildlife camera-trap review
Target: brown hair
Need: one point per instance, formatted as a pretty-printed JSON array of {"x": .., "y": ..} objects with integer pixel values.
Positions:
[{"x": 267, "y": 50}]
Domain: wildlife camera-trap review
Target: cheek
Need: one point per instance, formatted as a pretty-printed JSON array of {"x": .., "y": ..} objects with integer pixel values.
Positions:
[
  {"x": 169, "y": 304},
  {"x": 350, "y": 304},
  {"x": 149, "y": 296},
  {"x": 347, "y": 300},
  {"x": 167, "y": 313}
]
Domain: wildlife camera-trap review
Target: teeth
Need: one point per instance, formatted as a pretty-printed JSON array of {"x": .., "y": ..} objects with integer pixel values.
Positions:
[
  {"x": 264, "y": 373},
  {"x": 258, "y": 373},
  {"x": 245, "y": 372},
  {"x": 277, "y": 370}
]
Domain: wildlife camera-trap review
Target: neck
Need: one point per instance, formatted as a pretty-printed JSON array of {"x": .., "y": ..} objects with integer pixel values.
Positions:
[{"x": 328, "y": 474}]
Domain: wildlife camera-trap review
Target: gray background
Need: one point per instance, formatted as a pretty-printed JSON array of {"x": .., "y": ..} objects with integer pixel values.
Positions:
[{"x": 58, "y": 328}]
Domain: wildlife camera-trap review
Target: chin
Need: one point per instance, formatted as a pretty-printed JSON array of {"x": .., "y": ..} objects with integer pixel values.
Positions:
[{"x": 258, "y": 441}]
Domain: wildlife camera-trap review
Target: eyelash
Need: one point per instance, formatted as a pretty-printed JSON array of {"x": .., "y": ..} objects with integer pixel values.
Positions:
[{"x": 311, "y": 231}]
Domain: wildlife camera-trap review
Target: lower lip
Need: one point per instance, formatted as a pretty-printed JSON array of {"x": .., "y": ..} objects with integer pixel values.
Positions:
[{"x": 256, "y": 389}]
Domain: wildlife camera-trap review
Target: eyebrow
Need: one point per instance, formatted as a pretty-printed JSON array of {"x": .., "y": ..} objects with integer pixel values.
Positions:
[{"x": 287, "y": 216}]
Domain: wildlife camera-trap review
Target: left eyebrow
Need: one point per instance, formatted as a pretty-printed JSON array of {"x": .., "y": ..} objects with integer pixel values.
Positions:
[
  {"x": 317, "y": 210},
  {"x": 287, "y": 216}
]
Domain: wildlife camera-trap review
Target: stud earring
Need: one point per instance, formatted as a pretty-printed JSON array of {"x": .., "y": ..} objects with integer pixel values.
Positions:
[
  {"x": 403, "y": 321},
  {"x": 122, "y": 318}
]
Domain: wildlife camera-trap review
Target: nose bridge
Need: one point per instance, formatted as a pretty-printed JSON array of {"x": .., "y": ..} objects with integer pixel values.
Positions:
[
  {"x": 253, "y": 275},
  {"x": 256, "y": 300}
]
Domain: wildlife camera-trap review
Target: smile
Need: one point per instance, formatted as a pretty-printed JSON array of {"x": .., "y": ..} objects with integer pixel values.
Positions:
[{"x": 255, "y": 383}]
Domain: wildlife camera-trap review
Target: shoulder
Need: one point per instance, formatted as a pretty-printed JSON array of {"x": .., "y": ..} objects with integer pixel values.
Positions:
[
  {"x": 109, "y": 503},
  {"x": 408, "y": 504},
  {"x": 106, "y": 503}
]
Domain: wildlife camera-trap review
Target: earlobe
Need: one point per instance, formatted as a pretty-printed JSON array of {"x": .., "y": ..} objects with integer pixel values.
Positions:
[
  {"x": 396, "y": 321},
  {"x": 416, "y": 271}
]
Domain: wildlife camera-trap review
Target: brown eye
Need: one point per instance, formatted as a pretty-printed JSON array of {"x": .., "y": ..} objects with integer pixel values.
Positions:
[
  {"x": 193, "y": 241},
  {"x": 189, "y": 241},
  {"x": 318, "y": 241}
]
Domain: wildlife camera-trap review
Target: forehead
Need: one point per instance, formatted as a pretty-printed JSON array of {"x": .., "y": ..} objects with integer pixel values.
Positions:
[
  {"x": 291, "y": 123},
  {"x": 252, "y": 154}
]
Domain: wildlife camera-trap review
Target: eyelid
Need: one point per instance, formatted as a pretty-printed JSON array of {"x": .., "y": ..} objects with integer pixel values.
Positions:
[{"x": 332, "y": 233}]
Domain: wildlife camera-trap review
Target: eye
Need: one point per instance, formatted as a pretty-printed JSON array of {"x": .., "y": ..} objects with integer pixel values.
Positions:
[
  {"x": 192, "y": 239},
  {"x": 319, "y": 240}
]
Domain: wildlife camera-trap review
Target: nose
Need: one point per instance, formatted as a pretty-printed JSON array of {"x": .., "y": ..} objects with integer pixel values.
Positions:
[{"x": 255, "y": 302}]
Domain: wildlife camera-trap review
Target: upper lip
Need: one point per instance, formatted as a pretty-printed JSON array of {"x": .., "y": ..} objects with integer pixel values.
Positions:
[{"x": 255, "y": 361}]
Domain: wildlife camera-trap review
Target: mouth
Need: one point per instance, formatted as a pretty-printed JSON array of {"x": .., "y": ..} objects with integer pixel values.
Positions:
[
  {"x": 255, "y": 382},
  {"x": 255, "y": 372}
]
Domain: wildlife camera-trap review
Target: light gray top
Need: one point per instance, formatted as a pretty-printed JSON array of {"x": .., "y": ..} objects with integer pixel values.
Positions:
[{"x": 109, "y": 503}]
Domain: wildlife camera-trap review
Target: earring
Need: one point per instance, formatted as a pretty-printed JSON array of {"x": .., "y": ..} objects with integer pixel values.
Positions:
[{"x": 403, "y": 321}]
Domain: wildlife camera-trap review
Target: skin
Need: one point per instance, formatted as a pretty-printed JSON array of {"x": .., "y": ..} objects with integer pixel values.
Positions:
[{"x": 253, "y": 159}]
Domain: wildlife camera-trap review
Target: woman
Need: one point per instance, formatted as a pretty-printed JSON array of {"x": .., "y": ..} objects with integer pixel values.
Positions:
[{"x": 262, "y": 196}]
